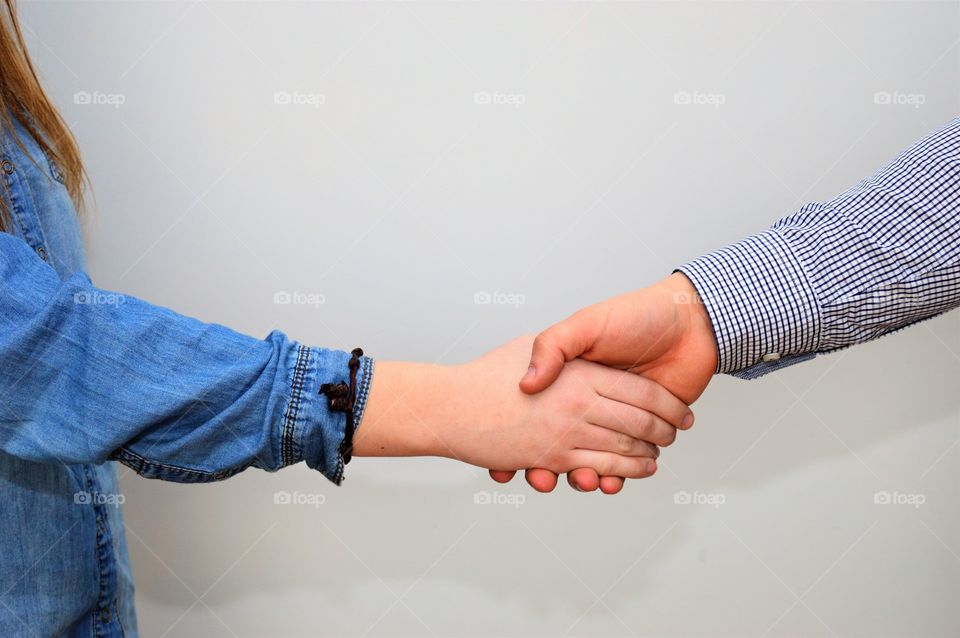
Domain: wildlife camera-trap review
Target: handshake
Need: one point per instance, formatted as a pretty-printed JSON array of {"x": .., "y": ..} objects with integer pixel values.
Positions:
[{"x": 599, "y": 394}]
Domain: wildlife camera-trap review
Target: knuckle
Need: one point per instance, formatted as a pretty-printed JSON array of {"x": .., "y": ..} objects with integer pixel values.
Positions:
[
  {"x": 540, "y": 341},
  {"x": 605, "y": 467},
  {"x": 645, "y": 425},
  {"x": 544, "y": 343},
  {"x": 624, "y": 443}
]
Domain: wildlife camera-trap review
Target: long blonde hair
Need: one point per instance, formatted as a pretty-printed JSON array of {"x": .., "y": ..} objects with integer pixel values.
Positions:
[{"x": 22, "y": 98}]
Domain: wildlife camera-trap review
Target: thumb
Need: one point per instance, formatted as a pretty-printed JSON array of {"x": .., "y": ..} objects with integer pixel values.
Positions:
[{"x": 552, "y": 348}]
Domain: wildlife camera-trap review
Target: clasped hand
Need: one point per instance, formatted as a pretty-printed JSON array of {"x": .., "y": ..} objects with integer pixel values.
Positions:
[
  {"x": 602, "y": 392},
  {"x": 662, "y": 332}
]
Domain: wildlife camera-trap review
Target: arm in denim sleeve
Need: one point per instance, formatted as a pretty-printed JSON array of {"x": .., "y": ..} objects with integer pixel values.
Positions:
[
  {"x": 89, "y": 375},
  {"x": 877, "y": 258}
]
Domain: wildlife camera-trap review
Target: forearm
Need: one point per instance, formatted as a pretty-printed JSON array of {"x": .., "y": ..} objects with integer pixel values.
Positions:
[{"x": 411, "y": 409}]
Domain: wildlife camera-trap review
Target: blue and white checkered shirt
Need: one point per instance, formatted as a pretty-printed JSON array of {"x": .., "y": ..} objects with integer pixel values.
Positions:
[{"x": 877, "y": 258}]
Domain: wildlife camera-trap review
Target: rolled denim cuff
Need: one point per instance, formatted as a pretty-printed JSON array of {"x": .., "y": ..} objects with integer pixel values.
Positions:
[{"x": 312, "y": 432}]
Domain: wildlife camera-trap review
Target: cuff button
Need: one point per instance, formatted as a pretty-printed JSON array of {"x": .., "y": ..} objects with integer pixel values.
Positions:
[{"x": 770, "y": 357}]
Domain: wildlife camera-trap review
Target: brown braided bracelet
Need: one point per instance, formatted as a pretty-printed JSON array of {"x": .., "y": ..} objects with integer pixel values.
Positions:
[{"x": 341, "y": 398}]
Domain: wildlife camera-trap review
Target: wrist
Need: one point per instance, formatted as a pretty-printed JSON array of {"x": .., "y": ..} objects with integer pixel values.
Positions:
[
  {"x": 410, "y": 410},
  {"x": 698, "y": 335}
]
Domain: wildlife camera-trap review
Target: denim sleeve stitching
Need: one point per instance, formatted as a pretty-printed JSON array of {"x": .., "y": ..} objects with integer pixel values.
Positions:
[
  {"x": 288, "y": 447},
  {"x": 363, "y": 392}
]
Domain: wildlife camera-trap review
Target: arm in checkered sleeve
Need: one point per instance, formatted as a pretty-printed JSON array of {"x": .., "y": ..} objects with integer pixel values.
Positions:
[{"x": 877, "y": 258}]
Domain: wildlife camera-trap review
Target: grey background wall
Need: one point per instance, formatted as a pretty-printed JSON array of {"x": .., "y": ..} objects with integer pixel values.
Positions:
[{"x": 390, "y": 161}]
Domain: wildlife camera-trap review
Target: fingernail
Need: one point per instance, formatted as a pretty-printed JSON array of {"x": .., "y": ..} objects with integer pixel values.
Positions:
[
  {"x": 687, "y": 421},
  {"x": 577, "y": 487},
  {"x": 531, "y": 373},
  {"x": 651, "y": 467}
]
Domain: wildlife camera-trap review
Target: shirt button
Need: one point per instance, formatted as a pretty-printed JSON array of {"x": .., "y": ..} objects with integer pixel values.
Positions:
[
  {"x": 771, "y": 357},
  {"x": 7, "y": 166},
  {"x": 42, "y": 252},
  {"x": 104, "y": 614}
]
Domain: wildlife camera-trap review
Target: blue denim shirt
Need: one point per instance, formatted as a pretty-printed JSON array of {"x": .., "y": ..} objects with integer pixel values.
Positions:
[{"x": 89, "y": 376}]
